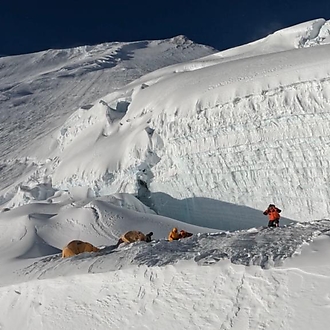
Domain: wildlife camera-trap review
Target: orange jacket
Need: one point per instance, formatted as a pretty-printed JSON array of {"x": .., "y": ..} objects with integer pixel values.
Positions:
[
  {"x": 174, "y": 235},
  {"x": 273, "y": 213}
]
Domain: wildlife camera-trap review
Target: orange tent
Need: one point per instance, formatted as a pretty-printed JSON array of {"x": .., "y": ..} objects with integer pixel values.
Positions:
[
  {"x": 174, "y": 235},
  {"x": 76, "y": 247},
  {"x": 134, "y": 236}
]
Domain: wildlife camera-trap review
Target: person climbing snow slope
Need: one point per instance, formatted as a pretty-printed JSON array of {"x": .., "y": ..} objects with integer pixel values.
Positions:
[{"x": 273, "y": 215}]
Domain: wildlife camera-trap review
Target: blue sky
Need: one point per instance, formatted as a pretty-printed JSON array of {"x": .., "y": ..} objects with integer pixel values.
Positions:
[{"x": 28, "y": 26}]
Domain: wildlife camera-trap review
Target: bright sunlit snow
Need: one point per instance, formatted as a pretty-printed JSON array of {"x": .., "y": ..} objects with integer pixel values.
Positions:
[{"x": 151, "y": 135}]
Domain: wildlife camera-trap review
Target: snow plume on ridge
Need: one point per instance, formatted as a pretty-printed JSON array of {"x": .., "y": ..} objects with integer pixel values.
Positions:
[
  {"x": 319, "y": 34},
  {"x": 306, "y": 34},
  {"x": 311, "y": 33}
]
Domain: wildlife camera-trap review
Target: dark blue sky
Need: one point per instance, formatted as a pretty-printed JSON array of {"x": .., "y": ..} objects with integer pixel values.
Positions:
[{"x": 28, "y": 26}]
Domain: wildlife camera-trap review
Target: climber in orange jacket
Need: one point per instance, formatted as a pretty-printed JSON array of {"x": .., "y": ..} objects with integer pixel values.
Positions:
[
  {"x": 273, "y": 215},
  {"x": 76, "y": 247}
]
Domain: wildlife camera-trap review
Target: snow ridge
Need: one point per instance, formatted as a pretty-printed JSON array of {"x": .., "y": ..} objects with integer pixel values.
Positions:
[
  {"x": 264, "y": 247},
  {"x": 241, "y": 129}
]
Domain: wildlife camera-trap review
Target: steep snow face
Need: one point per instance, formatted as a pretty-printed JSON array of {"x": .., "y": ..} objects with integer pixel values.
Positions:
[
  {"x": 262, "y": 141},
  {"x": 248, "y": 137},
  {"x": 247, "y": 126},
  {"x": 246, "y": 131}
]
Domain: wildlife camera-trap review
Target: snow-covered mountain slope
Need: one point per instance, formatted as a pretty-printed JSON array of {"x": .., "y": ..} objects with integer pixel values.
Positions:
[
  {"x": 181, "y": 296},
  {"x": 33, "y": 235},
  {"x": 206, "y": 144},
  {"x": 243, "y": 127},
  {"x": 39, "y": 91}
]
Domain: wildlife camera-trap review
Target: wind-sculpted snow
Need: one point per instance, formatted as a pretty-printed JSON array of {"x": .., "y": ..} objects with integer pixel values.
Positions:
[
  {"x": 264, "y": 247},
  {"x": 39, "y": 90},
  {"x": 247, "y": 126},
  {"x": 247, "y": 132}
]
